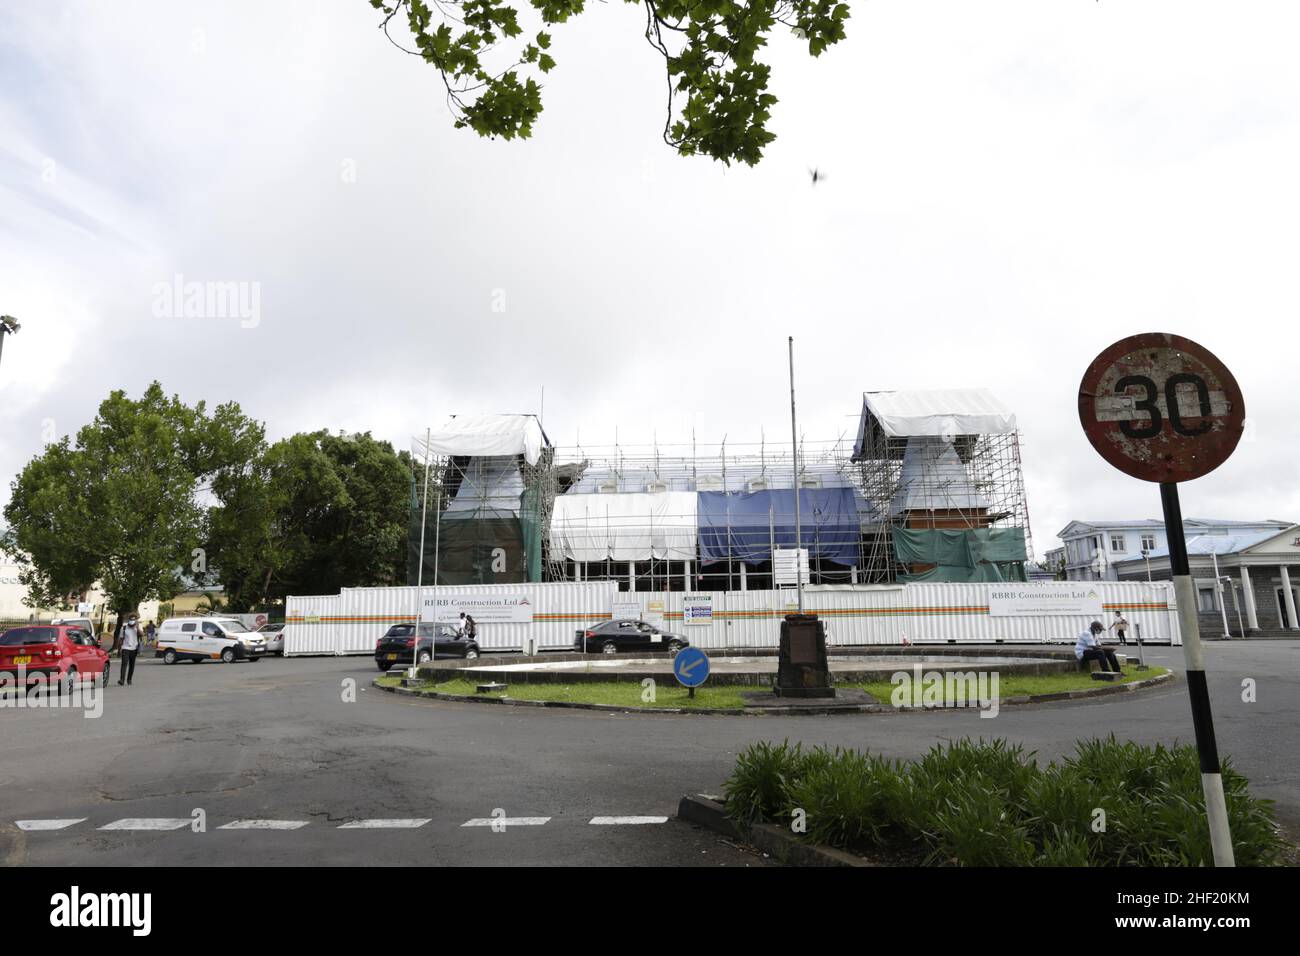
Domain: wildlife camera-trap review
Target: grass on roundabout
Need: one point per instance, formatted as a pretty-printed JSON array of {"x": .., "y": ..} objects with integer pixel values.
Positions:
[{"x": 633, "y": 696}]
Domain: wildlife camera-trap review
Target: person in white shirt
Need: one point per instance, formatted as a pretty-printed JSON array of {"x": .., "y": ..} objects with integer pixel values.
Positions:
[
  {"x": 1120, "y": 624},
  {"x": 1088, "y": 648},
  {"x": 129, "y": 641}
]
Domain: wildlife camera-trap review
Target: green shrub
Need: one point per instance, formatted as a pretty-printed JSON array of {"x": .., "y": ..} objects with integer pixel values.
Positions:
[
  {"x": 977, "y": 803},
  {"x": 849, "y": 799},
  {"x": 756, "y": 791},
  {"x": 1064, "y": 848},
  {"x": 975, "y": 827}
]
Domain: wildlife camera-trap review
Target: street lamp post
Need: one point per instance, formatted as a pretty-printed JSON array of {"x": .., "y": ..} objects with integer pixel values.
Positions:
[{"x": 8, "y": 326}]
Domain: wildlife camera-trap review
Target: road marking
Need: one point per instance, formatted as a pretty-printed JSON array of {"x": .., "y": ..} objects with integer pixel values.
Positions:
[
  {"x": 624, "y": 821},
  {"x": 30, "y": 825},
  {"x": 384, "y": 824},
  {"x": 264, "y": 825},
  {"x": 148, "y": 823},
  {"x": 506, "y": 821}
]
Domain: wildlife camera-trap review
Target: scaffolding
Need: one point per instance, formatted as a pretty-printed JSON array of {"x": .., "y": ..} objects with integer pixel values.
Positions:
[
  {"x": 703, "y": 516},
  {"x": 485, "y": 514},
  {"x": 939, "y": 484},
  {"x": 904, "y": 502}
]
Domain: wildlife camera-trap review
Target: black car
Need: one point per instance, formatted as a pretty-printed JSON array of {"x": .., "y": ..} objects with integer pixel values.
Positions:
[
  {"x": 398, "y": 645},
  {"x": 625, "y": 634}
]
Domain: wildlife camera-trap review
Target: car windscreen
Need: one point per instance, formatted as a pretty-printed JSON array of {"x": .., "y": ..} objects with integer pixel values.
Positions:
[
  {"x": 231, "y": 625},
  {"x": 400, "y": 630},
  {"x": 29, "y": 635}
]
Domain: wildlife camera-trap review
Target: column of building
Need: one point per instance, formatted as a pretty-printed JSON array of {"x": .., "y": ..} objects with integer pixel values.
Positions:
[
  {"x": 1248, "y": 596},
  {"x": 1288, "y": 599}
]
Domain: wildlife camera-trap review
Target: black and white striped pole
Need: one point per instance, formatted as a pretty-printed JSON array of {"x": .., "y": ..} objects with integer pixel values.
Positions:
[
  {"x": 1216, "y": 806},
  {"x": 1161, "y": 408}
]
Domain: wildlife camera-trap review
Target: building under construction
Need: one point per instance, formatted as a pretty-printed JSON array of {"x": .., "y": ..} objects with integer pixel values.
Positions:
[{"x": 930, "y": 490}]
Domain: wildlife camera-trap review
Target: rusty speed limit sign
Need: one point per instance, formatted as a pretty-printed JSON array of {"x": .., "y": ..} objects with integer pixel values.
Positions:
[{"x": 1161, "y": 408}]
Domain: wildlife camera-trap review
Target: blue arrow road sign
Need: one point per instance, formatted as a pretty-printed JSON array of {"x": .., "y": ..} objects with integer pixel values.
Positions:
[{"x": 691, "y": 667}]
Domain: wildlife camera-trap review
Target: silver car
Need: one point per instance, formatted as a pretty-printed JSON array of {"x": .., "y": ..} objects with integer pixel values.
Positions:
[{"x": 274, "y": 635}]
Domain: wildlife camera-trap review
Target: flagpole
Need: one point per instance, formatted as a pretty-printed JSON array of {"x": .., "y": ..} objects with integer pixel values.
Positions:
[
  {"x": 419, "y": 574},
  {"x": 794, "y": 443}
]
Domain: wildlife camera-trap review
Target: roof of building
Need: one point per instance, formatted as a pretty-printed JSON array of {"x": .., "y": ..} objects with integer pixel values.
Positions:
[
  {"x": 478, "y": 436},
  {"x": 1216, "y": 544},
  {"x": 1188, "y": 523},
  {"x": 946, "y": 412}
]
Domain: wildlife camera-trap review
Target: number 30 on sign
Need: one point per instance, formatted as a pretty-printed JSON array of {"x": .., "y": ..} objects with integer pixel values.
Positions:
[{"x": 1161, "y": 408}]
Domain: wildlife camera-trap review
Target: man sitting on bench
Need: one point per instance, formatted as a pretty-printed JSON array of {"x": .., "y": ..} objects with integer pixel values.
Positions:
[{"x": 1088, "y": 648}]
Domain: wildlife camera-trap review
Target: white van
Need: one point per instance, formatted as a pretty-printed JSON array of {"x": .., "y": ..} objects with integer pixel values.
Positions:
[{"x": 223, "y": 639}]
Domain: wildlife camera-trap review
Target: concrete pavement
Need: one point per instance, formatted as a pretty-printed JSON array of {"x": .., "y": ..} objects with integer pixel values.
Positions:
[{"x": 277, "y": 740}]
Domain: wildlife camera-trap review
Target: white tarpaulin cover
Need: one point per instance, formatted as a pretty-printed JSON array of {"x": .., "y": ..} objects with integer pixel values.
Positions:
[
  {"x": 487, "y": 435},
  {"x": 933, "y": 477},
  {"x": 945, "y": 411},
  {"x": 625, "y": 527}
]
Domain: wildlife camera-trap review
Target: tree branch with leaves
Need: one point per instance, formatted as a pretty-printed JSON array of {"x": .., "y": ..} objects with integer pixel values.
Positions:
[{"x": 718, "y": 103}]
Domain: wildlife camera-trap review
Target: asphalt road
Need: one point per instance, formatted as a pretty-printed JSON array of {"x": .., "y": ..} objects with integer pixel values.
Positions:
[{"x": 276, "y": 740}]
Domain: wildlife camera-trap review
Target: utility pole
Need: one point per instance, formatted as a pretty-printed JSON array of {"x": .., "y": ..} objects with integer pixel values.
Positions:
[{"x": 8, "y": 326}]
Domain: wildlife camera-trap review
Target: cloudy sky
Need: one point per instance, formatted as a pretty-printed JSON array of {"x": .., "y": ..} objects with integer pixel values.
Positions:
[{"x": 1011, "y": 186}]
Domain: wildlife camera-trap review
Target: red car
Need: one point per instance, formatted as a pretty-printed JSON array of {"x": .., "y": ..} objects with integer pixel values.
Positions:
[{"x": 53, "y": 652}]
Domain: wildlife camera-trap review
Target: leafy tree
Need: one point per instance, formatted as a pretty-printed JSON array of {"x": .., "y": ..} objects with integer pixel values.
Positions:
[
  {"x": 718, "y": 101},
  {"x": 316, "y": 513},
  {"x": 122, "y": 506}
]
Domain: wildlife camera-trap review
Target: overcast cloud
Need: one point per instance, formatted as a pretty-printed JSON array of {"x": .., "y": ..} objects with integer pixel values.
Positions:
[{"x": 1011, "y": 187}]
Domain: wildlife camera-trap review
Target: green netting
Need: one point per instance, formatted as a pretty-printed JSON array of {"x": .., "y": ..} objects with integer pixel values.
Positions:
[
  {"x": 974, "y": 554},
  {"x": 530, "y": 521},
  {"x": 471, "y": 548}
]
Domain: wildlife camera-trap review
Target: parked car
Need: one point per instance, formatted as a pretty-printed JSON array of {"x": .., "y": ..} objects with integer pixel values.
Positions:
[
  {"x": 208, "y": 638},
  {"x": 54, "y": 653},
  {"x": 436, "y": 640},
  {"x": 274, "y": 635},
  {"x": 85, "y": 623},
  {"x": 625, "y": 634}
]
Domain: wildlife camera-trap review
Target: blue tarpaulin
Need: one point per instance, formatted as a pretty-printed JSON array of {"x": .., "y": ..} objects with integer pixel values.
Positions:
[{"x": 744, "y": 526}]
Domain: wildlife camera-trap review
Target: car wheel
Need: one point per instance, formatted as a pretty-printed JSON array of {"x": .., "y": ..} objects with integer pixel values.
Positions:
[
  {"x": 381, "y": 665},
  {"x": 423, "y": 657},
  {"x": 67, "y": 683},
  {"x": 471, "y": 653},
  {"x": 228, "y": 656},
  {"x": 609, "y": 647},
  {"x": 674, "y": 647},
  {"x": 107, "y": 668},
  {"x": 169, "y": 656}
]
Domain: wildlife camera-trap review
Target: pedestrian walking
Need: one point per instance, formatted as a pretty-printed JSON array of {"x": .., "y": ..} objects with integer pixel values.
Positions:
[
  {"x": 1088, "y": 648},
  {"x": 1120, "y": 624},
  {"x": 468, "y": 629},
  {"x": 129, "y": 639},
  {"x": 151, "y": 632}
]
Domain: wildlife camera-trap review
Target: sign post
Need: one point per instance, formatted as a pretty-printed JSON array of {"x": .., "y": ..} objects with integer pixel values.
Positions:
[
  {"x": 691, "y": 668},
  {"x": 1161, "y": 408}
]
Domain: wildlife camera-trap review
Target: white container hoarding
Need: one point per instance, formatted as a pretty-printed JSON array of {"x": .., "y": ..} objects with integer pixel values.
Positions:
[{"x": 350, "y": 623}]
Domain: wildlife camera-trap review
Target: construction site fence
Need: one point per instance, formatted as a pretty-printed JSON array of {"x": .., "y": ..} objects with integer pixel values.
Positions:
[{"x": 352, "y": 621}]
